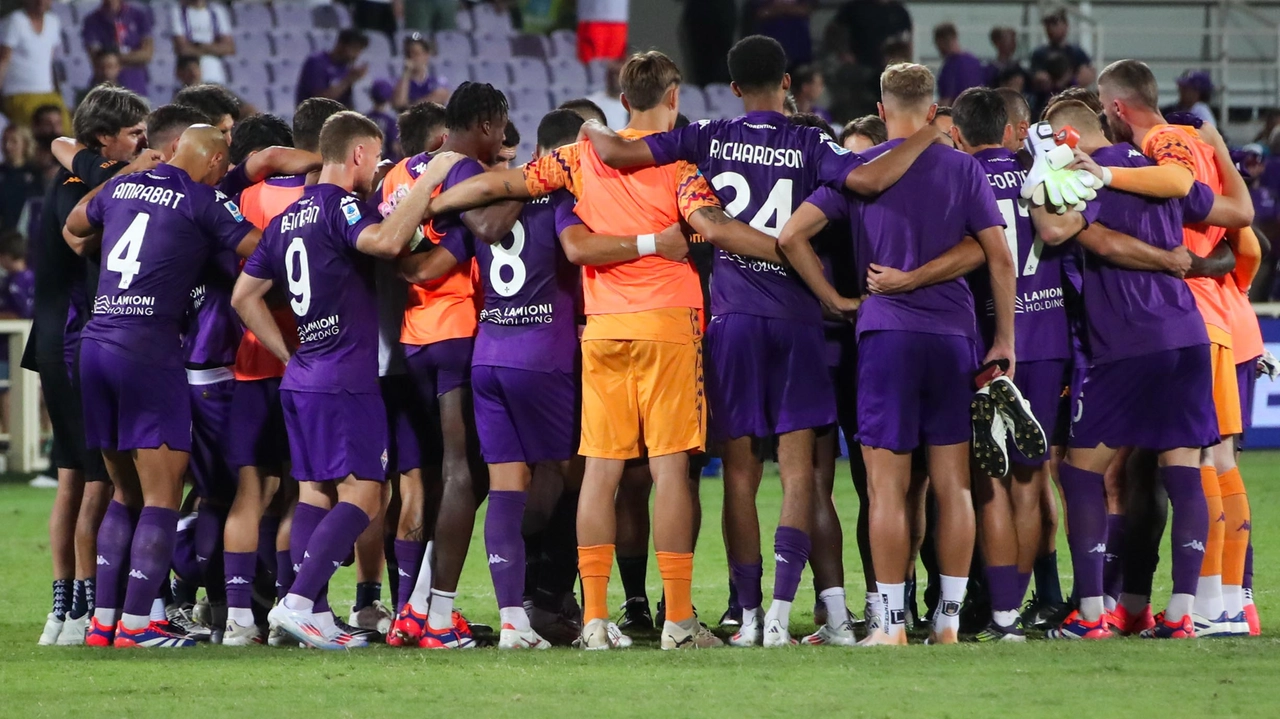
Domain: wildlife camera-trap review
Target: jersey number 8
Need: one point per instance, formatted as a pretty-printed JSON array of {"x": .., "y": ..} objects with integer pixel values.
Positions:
[{"x": 508, "y": 257}]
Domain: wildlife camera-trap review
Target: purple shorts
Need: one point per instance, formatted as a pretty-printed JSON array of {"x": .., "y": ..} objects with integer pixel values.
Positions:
[
  {"x": 407, "y": 411},
  {"x": 434, "y": 371},
  {"x": 1041, "y": 383},
  {"x": 214, "y": 478},
  {"x": 442, "y": 366},
  {"x": 770, "y": 377},
  {"x": 1157, "y": 401},
  {"x": 131, "y": 405},
  {"x": 257, "y": 432},
  {"x": 1247, "y": 380},
  {"x": 333, "y": 436},
  {"x": 914, "y": 388},
  {"x": 525, "y": 416}
]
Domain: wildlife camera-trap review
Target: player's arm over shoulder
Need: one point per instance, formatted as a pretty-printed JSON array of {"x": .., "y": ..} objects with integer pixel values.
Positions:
[
  {"x": 559, "y": 169},
  {"x": 1173, "y": 173}
]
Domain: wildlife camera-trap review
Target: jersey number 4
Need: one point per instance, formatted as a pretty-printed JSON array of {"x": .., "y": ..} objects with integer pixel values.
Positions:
[
  {"x": 1007, "y": 209},
  {"x": 123, "y": 259}
]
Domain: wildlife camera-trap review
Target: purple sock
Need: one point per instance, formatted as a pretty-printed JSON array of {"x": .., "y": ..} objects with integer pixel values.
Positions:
[
  {"x": 306, "y": 518},
  {"x": 208, "y": 537},
  {"x": 1024, "y": 581},
  {"x": 505, "y": 546},
  {"x": 149, "y": 558},
  {"x": 1248, "y": 566},
  {"x": 408, "y": 559},
  {"x": 329, "y": 545},
  {"x": 1113, "y": 568},
  {"x": 284, "y": 573},
  {"x": 241, "y": 571},
  {"x": 1002, "y": 584},
  {"x": 746, "y": 579},
  {"x": 266, "y": 552},
  {"x": 1190, "y": 526},
  {"x": 790, "y": 551},
  {"x": 115, "y": 535},
  {"x": 1086, "y": 501},
  {"x": 185, "y": 562}
]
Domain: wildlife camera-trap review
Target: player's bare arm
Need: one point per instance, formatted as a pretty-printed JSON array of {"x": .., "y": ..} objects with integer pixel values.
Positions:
[
  {"x": 249, "y": 243},
  {"x": 65, "y": 149},
  {"x": 388, "y": 238},
  {"x": 614, "y": 150},
  {"x": 733, "y": 236},
  {"x": 879, "y": 175},
  {"x": 280, "y": 161},
  {"x": 1003, "y": 291},
  {"x": 423, "y": 267},
  {"x": 1132, "y": 253},
  {"x": 806, "y": 222},
  {"x": 1055, "y": 229},
  {"x": 491, "y": 224},
  {"x": 1219, "y": 263},
  {"x": 248, "y": 298},
  {"x": 481, "y": 190},
  {"x": 586, "y": 248},
  {"x": 952, "y": 264}
]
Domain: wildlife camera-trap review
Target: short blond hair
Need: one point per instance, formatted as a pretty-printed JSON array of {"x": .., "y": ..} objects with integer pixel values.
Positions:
[
  {"x": 646, "y": 77},
  {"x": 907, "y": 83},
  {"x": 1074, "y": 113}
]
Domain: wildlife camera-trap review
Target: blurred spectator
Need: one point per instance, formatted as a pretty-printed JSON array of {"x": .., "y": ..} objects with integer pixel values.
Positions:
[
  {"x": 204, "y": 30},
  {"x": 1054, "y": 76},
  {"x": 431, "y": 15},
  {"x": 707, "y": 32},
  {"x": 47, "y": 122},
  {"x": 1007, "y": 70},
  {"x": 861, "y": 29},
  {"x": 808, "y": 87},
  {"x": 960, "y": 69},
  {"x": 1080, "y": 67},
  {"x": 187, "y": 72},
  {"x": 106, "y": 70},
  {"x": 786, "y": 21},
  {"x": 1195, "y": 90},
  {"x": 28, "y": 41},
  {"x": 384, "y": 116},
  {"x": 602, "y": 29},
  {"x": 331, "y": 74},
  {"x": 17, "y": 289},
  {"x": 607, "y": 99},
  {"x": 126, "y": 29},
  {"x": 378, "y": 15},
  {"x": 18, "y": 175},
  {"x": 863, "y": 134},
  {"x": 419, "y": 80},
  {"x": 1270, "y": 127}
]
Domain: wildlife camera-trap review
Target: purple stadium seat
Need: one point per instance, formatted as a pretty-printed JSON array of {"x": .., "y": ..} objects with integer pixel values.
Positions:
[
  {"x": 289, "y": 43},
  {"x": 492, "y": 46},
  {"x": 526, "y": 45},
  {"x": 282, "y": 96},
  {"x": 159, "y": 93},
  {"x": 247, "y": 69},
  {"x": 720, "y": 99},
  {"x": 464, "y": 21},
  {"x": 563, "y": 93},
  {"x": 529, "y": 72},
  {"x": 331, "y": 17},
  {"x": 489, "y": 21},
  {"x": 292, "y": 14},
  {"x": 254, "y": 15},
  {"x": 285, "y": 69},
  {"x": 254, "y": 93},
  {"x": 249, "y": 40},
  {"x": 693, "y": 103},
  {"x": 596, "y": 70},
  {"x": 494, "y": 72},
  {"x": 379, "y": 48},
  {"x": 568, "y": 72},
  {"x": 529, "y": 99},
  {"x": 564, "y": 43},
  {"x": 454, "y": 44},
  {"x": 454, "y": 71}
]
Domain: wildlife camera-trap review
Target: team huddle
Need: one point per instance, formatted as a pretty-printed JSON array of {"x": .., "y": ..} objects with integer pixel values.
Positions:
[{"x": 345, "y": 357}]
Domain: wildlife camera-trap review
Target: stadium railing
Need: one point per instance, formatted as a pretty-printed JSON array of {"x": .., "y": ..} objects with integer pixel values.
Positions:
[{"x": 24, "y": 453}]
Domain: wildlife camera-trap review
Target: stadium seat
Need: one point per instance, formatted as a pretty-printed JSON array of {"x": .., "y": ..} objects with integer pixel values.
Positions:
[
  {"x": 159, "y": 93},
  {"x": 529, "y": 72},
  {"x": 293, "y": 14},
  {"x": 283, "y": 96},
  {"x": 464, "y": 21},
  {"x": 254, "y": 15},
  {"x": 454, "y": 44},
  {"x": 563, "y": 93},
  {"x": 567, "y": 71},
  {"x": 78, "y": 72},
  {"x": 254, "y": 93},
  {"x": 290, "y": 43},
  {"x": 720, "y": 99},
  {"x": 330, "y": 17},
  {"x": 379, "y": 48},
  {"x": 284, "y": 69},
  {"x": 596, "y": 70},
  {"x": 248, "y": 69},
  {"x": 564, "y": 43},
  {"x": 693, "y": 103},
  {"x": 526, "y": 45},
  {"x": 67, "y": 13},
  {"x": 492, "y": 46},
  {"x": 249, "y": 40},
  {"x": 494, "y": 72},
  {"x": 490, "y": 21},
  {"x": 454, "y": 71},
  {"x": 529, "y": 99},
  {"x": 161, "y": 67},
  {"x": 322, "y": 38},
  {"x": 72, "y": 43}
]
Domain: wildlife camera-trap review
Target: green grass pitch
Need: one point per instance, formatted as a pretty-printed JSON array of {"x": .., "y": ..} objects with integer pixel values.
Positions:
[{"x": 1121, "y": 678}]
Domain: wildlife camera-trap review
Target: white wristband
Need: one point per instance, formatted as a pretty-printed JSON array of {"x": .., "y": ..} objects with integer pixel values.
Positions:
[
  {"x": 1106, "y": 176},
  {"x": 646, "y": 245}
]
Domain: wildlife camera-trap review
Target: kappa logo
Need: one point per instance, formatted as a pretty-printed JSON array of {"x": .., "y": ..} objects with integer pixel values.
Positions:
[
  {"x": 1195, "y": 544},
  {"x": 1099, "y": 548},
  {"x": 1134, "y": 153},
  {"x": 496, "y": 559},
  {"x": 402, "y": 573},
  {"x": 102, "y": 561},
  {"x": 135, "y": 574},
  {"x": 780, "y": 559},
  {"x": 237, "y": 580},
  {"x": 201, "y": 559}
]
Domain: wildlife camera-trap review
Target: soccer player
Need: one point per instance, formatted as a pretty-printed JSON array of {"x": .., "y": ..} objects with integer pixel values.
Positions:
[
  {"x": 765, "y": 341},
  {"x": 1128, "y": 93},
  {"x": 110, "y": 122},
  {"x": 137, "y": 409},
  {"x": 642, "y": 345},
  {"x": 1149, "y": 380},
  {"x": 216, "y": 101},
  {"x": 320, "y": 249},
  {"x": 904, "y": 401}
]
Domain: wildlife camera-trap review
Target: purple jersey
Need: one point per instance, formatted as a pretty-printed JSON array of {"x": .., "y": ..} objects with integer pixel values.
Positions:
[
  {"x": 941, "y": 199},
  {"x": 1040, "y": 325},
  {"x": 310, "y": 248},
  {"x": 1132, "y": 312},
  {"x": 159, "y": 228},
  {"x": 213, "y": 330},
  {"x": 761, "y": 167},
  {"x": 528, "y": 321},
  {"x": 960, "y": 72},
  {"x": 420, "y": 90},
  {"x": 319, "y": 73},
  {"x": 124, "y": 32}
]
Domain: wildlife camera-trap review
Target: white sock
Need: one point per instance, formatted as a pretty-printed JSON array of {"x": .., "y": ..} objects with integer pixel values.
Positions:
[
  {"x": 894, "y": 603},
  {"x": 949, "y": 603},
  {"x": 1233, "y": 599},
  {"x": 106, "y": 617},
  {"x": 135, "y": 621},
  {"x": 516, "y": 617},
  {"x": 833, "y": 600},
  {"x": 298, "y": 603},
  {"x": 1109, "y": 602},
  {"x": 441, "y": 614},
  {"x": 241, "y": 616},
  {"x": 750, "y": 615},
  {"x": 1209, "y": 597},
  {"x": 1134, "y": 604},
  {"x": 1179, "y": 607},
  {"x": 1091, "y": 608},
  {"x": 781, "y": 611},
  {"x": 157, "y": 611},
  {"x": 875, "y": 605},
  {"x": 420, "y": 599}
]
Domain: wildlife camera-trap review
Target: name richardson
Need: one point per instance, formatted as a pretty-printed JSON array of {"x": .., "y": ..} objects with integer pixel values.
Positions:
[{"x": 756, "y": 154}]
